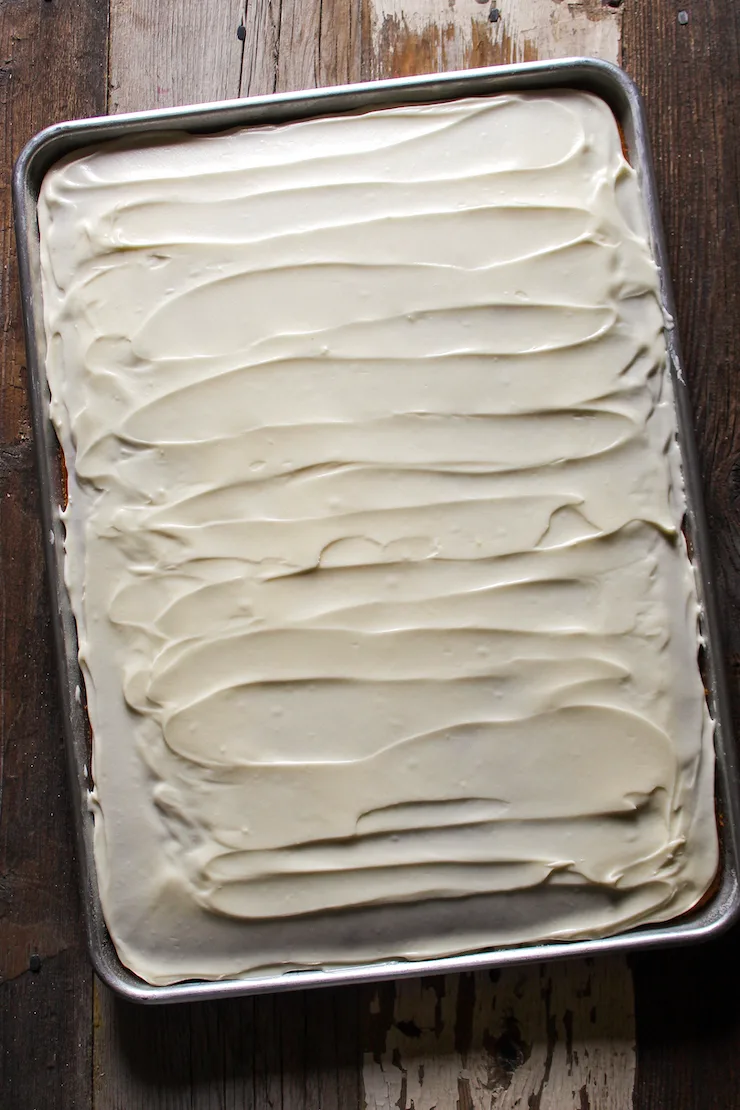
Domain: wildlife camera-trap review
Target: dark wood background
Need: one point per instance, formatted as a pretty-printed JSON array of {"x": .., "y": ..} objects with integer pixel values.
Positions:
[{"x": 61, "y": 1042}]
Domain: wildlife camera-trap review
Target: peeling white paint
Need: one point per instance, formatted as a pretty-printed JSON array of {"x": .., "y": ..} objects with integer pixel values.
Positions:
[
  {"x": 525, "y": 28},
  {"x": 557, "y": 1036}
]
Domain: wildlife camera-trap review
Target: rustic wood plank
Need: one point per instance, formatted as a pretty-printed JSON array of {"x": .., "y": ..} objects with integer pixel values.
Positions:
[
  {"x": 298, "y": 45},
  {"x": 52, "y": 67},
  {"x": 261, "y": 47},
  {"x": 301, "y": 44},
  {"x": 423, "y": 36},
  {"x": 295, "y": 1052},
  {"x": 242, "y": 1054},
  {"x": 688, "y": 1001},
  {"x": 340, "y": 42},
  {"x": 221, "y": 1038},
  {"x": 143, "y": 1058},
  {"x": 163, "y": 54},
  {"x": 687, "y": 1008},
  {"x": 551, "y": 1037}
]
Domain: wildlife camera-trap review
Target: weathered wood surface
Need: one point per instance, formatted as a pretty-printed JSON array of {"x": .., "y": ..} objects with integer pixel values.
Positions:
[
  {"x": 163, "y": 54},
  {"x": 688, "y": 1003},
  {"x": 52, "y": 64},
  {"x": 173, "y": 53},
  {"x": 549, "y": 1037},
  {"x": 546, "y": 1038},
  {"x": 428, "y": 35}
]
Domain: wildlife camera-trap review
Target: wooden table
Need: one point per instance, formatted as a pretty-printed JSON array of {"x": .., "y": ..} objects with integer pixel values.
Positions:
[{"x": 662, "y": 1029}]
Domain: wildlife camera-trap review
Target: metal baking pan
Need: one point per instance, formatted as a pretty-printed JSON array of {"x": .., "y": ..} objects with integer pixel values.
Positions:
[{"x": 612, "y": 85}]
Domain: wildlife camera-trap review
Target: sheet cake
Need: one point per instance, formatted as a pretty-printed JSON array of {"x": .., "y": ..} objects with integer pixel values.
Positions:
[{"x": 373, "y": 538}]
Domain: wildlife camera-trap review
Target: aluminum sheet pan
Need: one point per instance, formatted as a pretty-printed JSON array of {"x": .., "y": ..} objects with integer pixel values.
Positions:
[{"x": 612, "y": 85}]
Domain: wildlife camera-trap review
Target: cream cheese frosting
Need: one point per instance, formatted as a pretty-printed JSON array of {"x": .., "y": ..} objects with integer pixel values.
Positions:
[{"x": 373, "y": 538}]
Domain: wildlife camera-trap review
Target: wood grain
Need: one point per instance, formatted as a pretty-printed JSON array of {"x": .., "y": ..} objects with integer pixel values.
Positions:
[
  {"x": 52, "y": 66},
  {"x": 165, "y": 54},
  {"x": 287, "y": 1052},
  {"x": 424, "y": 36},
  {"x": 300, "y": 44},
  {"x": 688, "y": 1001},
  {"x": 548, "y": 1038}
]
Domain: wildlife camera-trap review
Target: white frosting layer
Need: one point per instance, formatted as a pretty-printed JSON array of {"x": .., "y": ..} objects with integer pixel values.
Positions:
[{"x": 373, "y": 538}]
